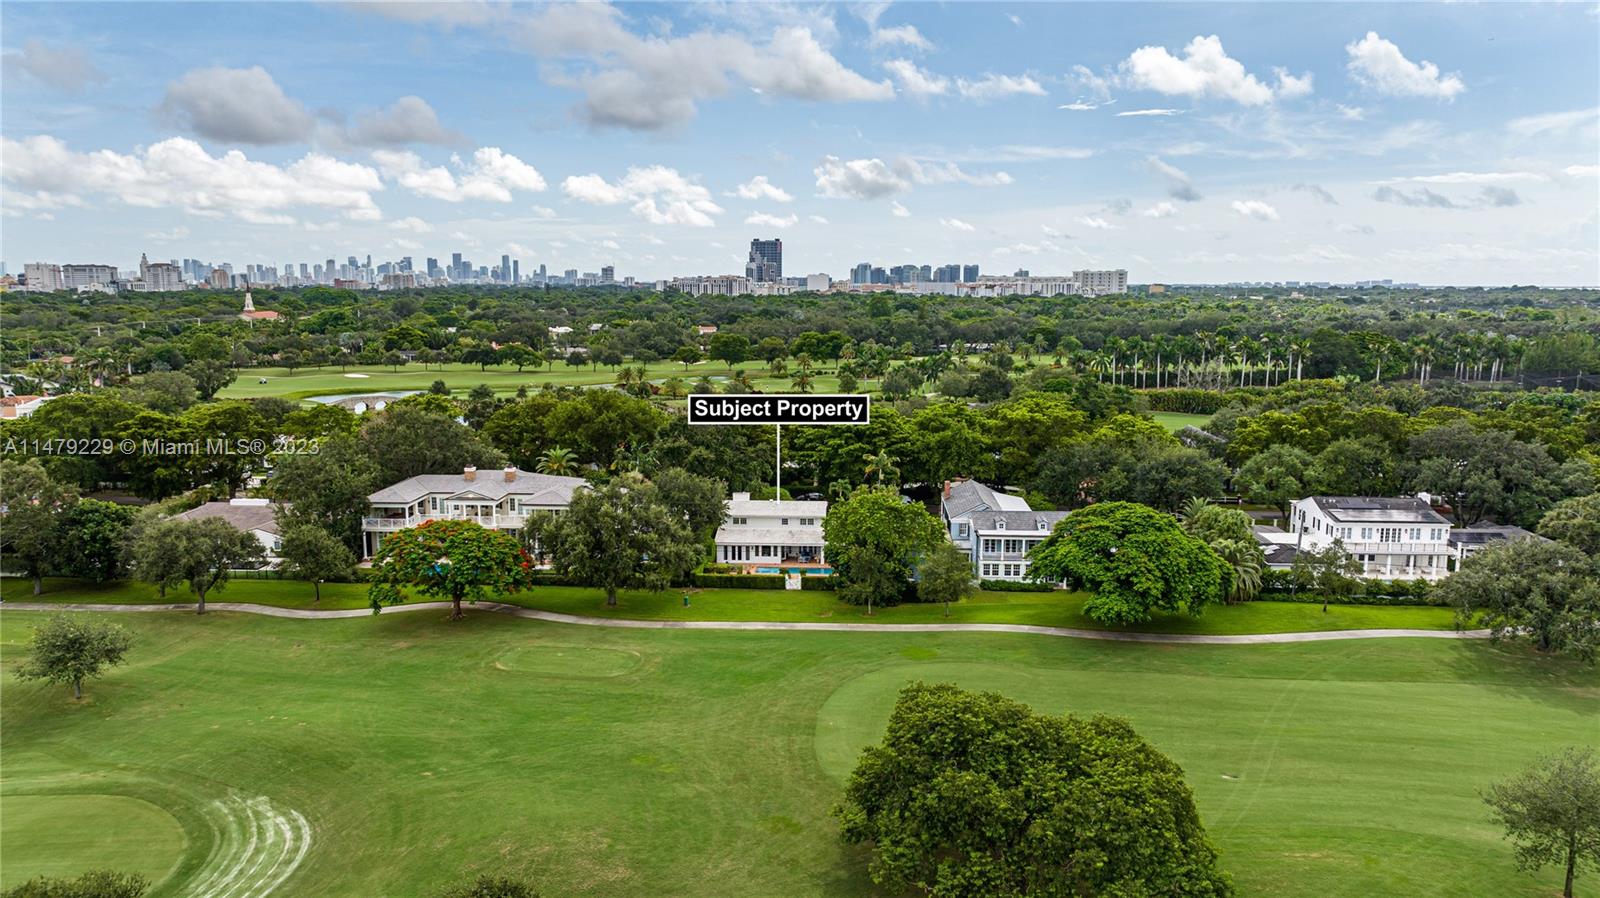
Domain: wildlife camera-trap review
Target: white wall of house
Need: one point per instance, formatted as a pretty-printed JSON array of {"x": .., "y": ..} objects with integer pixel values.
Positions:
[{"x": 1391, "y": 545}]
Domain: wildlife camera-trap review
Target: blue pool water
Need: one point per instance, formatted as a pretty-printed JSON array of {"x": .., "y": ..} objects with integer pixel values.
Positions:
[{"x": 778, "y": 570}]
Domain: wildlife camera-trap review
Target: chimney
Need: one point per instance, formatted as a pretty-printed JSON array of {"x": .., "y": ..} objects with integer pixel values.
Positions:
[
  {"x": 947, "y": 489},
  {"x": 511, "y": 473},
  {"x": 469, "y": 473}
]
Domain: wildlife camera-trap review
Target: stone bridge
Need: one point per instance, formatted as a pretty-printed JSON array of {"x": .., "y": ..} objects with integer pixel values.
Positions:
[{"x": 359, "y": 404}]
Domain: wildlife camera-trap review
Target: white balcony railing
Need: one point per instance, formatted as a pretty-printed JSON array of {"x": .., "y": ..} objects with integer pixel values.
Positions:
[{"x": 501, "y": 521}]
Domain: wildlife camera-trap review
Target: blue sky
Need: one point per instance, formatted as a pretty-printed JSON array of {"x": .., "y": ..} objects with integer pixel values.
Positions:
[{"x": 1453, "y": 143}]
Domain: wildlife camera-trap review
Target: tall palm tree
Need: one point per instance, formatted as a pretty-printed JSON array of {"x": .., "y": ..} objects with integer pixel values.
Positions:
[
  {"x": 557, "y": 461},
  {"x": 881, "y": 467},
  {"x": 1246, "y": 561}
]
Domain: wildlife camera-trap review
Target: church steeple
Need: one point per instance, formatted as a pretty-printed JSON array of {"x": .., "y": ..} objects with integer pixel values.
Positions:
[{"x": 249, "y": 305}]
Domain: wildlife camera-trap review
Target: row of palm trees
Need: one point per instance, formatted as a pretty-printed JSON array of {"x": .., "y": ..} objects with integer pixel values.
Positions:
[{"x": 1217, "y": 361}]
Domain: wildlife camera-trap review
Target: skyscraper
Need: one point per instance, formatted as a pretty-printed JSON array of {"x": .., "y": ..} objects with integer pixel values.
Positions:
[
  {"x": 516, "y": 271},
  {"x": 505, "y": 268},
  {"x": 861, "y": 274},
  {"x": 766, "y": 261},
  {"x": 608, "y": 274},
  {"x": 969, "y": 274}
]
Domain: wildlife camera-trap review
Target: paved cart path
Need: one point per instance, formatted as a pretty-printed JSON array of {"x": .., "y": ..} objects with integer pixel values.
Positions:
[{"x": 556, "y": 617}]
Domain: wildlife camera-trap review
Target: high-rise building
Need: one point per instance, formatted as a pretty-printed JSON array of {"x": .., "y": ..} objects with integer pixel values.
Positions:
[
  {"x": 42, "y": 276},
  {"x": 1099, "y": 283},
  {"x": 861, "y": 274},
  {"x": 505, "y": 268},
  {"x": 969, "y": 274},
  {"x": 456, "y": 273},
  {"x": 608, "y": 274},
  {"x": 433, "y": 266},
  {"x": 1021, "y": 273},
  {"x": 75, "y": 276},
  {"x": 766, "y": 261},
  {"x": 305, "y": 271}
]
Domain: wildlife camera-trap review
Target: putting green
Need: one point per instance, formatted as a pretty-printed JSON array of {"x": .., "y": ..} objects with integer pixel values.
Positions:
[{"x": 64, "y": 835}]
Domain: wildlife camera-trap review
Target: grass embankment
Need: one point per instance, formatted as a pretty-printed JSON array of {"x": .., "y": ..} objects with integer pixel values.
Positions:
[
  {"x": 1047, "y": 609},
  {"x": 609, "y": 763}
]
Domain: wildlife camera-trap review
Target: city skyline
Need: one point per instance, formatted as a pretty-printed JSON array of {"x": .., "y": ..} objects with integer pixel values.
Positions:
[{"x": 1449, "y": 145}]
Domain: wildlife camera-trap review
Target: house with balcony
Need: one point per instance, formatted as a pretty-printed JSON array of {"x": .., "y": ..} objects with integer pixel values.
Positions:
[
  {"x": 1394, "y": 538},
  {"x": 995, "y": 529},
  {"x": 769, "y": 536},
  {"x": 499, "y": 500}
]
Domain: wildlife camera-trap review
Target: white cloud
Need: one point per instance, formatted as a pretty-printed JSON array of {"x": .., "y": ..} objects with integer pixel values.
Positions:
[
  {"x": 1255, "y": 209},
  {"x": 858, "y": 178},
  {"x": 759, "y": 188},
  {"x": 1379, "y": 65},
  {"x": 1097, "y": 223},
  {"x": 407, "y": 120},
  {"x": 916, "y": 81},
  {"x": 1581, "y": 171},
  {"x": 1552, "y": 123},
  {"x": 1160, "y": 210},
  {"x": 65, "y": 68},
  {"x": 817, "y": 219},
  {"x": 543, "y": 212},
  {"x": 772, "y": 221},
  {"x": 1350, "y": 113},
  {"x": 1315, "y": 190},
  {"x": 899, "y": 210},
  {"x": 406, "y": 244},
  {"x": 236, "y": 106},
  {"x": 179, "y": 173},
  {"x": 658, "y": 194},
  {"x": 899, "y": 34},
  {"x": 956, "y": 224},
  {"x": 656, "y": 82},
  {"x": 1476, "y": 177},
  {"x": 991, "y": 87},
  {"x": 492, "y": 175},
  {"x": 1132, "y": 113},
  {"x": 411, "y": 223},
  {"x": 1206, "y": 71},
  {"x": 1079, "y": 106},
  {"x": 1179, "y": 187}
]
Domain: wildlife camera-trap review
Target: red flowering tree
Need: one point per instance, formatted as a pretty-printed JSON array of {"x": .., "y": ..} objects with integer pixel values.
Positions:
[{"x": 452, "y": 560}]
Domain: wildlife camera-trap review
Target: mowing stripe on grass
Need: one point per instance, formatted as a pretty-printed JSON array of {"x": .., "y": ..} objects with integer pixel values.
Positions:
[{"x": 257, "y": 847}]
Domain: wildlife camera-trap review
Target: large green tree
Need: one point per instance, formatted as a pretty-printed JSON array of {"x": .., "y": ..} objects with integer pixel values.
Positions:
[
  {"x": 1276, "y": 476},
  {"x": 1135, "y": 560},
  {"x": 1547, "y": 593},
  {"x": 1576, "y": 522},
  {"x": 69, "y": 649},
  {"x": 327, "y": 488},
  {"x": 1491, "y": 475},
  {"x": 312, "y": 553},
  {"x": 618, "y": 536},
  {"x": 33, "y": 523},
  {"x": 972, "y": 795},
  {"x": 1551, "y": 812},
  {"x": 875, "y": 541},
  {"x": 203, "y": 552},
  {"x": 700, "y": 501},
  {"x": 447, "y": 560},
  {"x": 945, "y": 575},
  {"x": 95, "y": 532},
  {"x": 406, "y": 439}
]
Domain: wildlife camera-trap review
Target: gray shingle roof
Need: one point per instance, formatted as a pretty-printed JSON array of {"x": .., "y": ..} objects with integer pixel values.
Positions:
[
  {"x": 1015, "y": 521},
  {"x": 242, "y": 517},
  {"x": 542, "y": 489},
  {"x": 1483, "y": 534},
  {"x": 967, "y": 496}
]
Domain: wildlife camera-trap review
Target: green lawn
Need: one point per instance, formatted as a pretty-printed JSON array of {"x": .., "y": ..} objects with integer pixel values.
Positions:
[
  {"x": 602, "y": 762},
  {"x": 1176, "y": 421},
  {"x": 1049, "y": 609},
  {"x": 307, "y": 382}
]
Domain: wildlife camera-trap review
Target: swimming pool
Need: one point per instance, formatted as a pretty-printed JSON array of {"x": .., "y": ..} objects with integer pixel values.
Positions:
[{"x": 824, "y": 572}]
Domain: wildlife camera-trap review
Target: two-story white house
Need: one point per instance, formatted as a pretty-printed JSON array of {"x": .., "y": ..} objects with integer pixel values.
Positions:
[
  {"x": 1394, "y": 538},
  {"x": 772, "y": 536},
  {"x": 257, "y": 517},
  {"x": 500, "y": 500},
  {"x": 995, "y": 529}
]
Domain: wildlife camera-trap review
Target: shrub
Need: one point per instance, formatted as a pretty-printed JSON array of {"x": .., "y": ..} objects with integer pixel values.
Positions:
[
  {"x": 1015, "y": 586},
  {"x": 738, "y": 581}
]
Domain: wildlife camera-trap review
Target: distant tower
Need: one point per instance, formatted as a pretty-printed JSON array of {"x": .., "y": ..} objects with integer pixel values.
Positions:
[{"x": 249, "y": 304}]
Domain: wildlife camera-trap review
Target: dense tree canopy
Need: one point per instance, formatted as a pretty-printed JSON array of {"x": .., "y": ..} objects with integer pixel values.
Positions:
[
  {"x": 875, "y": 542},
  {"x": 972, "y": 795}
]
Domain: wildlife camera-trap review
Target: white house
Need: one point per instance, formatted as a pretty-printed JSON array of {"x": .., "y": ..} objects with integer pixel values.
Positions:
[
  {"x": 256, "y": 517},
  {"x": 1466, "y": 542},
  {"x": 995, "y": 529},
  {"x": 1399, "y": 538},
  {"x": 778, "y": 534},
  {"x": 500, "y": 500}
]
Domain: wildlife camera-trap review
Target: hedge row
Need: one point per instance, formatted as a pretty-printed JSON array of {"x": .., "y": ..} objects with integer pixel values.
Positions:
[
  {"x": 1278, "y": 586},
  {"x": 1185, "y": 400},
  {"x": 1015, "y": 586}
]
